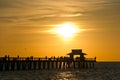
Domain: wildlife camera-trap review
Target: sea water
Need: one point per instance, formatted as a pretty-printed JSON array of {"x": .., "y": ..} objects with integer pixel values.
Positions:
[{"x": 102, "y": 71}]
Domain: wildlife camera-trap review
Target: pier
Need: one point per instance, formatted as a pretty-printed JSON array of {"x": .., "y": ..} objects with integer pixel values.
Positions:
[{"x": 8, "y": 63}]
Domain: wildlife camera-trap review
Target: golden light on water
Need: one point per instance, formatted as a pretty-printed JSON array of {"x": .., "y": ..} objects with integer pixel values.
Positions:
[{"x": 66, "y": 30}]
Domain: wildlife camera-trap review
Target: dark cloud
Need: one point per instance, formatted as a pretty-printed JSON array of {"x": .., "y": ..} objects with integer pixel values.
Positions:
[
  {"x": 58, "y": 10},
  {"x": 9, "y": 19},
  {"x": 6, "y": 4},
  {"x": 39, "y": 9}
]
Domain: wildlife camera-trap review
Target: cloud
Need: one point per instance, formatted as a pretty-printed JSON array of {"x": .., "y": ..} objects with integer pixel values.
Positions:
[
  {"x": 12, "y": 10},
  {"x": 42, "y": 10},
  {"x": 25, "y": 20}
]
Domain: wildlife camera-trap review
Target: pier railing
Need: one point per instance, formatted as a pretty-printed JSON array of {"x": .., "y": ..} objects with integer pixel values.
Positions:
[{"x": 30, "y": 63}]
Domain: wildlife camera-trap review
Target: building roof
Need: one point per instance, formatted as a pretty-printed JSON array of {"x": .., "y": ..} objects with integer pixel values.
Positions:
[{"x": 77, "y": 54}]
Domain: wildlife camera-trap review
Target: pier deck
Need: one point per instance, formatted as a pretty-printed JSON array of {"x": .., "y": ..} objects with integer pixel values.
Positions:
[
  {"x": 30, "y": 63},
  {"x": 34, "y": 63}
]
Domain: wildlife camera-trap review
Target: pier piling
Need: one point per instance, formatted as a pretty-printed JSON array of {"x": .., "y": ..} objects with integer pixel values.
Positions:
[{"x": 8, "y": 63}]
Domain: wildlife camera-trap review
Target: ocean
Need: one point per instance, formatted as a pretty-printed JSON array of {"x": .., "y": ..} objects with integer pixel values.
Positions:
[{"x": 102, "y": 71}]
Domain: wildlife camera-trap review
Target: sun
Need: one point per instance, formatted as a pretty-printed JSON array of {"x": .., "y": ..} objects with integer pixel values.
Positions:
[{"x": 66, "y": 30}]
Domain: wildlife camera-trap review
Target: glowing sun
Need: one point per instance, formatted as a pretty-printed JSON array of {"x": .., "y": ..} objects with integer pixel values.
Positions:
[{"x": 66, "y": 30}]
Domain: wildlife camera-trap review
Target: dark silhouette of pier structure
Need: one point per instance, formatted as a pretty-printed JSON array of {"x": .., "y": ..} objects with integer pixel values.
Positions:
[{"x": 8, "y": 63}]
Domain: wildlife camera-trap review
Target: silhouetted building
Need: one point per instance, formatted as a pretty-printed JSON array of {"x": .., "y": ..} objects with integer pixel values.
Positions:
[{"x": 77, "y": 52}]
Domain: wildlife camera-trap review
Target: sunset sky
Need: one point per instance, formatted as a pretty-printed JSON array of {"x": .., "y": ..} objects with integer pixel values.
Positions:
[{"x": 33, "y": 28}]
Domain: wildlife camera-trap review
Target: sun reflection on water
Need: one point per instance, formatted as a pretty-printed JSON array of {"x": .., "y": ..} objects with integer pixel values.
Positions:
[{"x": 64, "y": 75}]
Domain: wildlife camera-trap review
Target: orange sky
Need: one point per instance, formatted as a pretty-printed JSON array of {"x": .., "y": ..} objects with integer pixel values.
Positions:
[{"x": 24, "y": 25}]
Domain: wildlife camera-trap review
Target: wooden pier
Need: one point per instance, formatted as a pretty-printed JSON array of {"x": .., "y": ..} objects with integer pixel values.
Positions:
[{"x": 31, "y": 63}]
